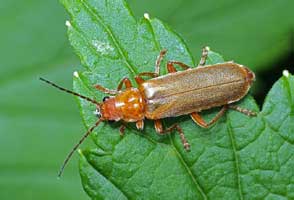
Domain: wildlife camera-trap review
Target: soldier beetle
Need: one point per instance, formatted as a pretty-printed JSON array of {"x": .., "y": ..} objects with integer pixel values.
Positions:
[{"x": 186, "y": 92}]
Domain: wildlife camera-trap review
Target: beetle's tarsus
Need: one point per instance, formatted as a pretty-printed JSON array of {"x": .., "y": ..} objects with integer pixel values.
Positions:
[
  {"x": 243, "y": 110},
  {"x": 204, "y": 55}
]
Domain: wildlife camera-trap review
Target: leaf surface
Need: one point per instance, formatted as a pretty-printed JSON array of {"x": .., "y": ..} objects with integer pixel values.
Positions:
[{"x": 240, "y": 157}]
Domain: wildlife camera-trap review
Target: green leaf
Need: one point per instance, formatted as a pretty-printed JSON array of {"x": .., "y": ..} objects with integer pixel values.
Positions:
[{"x": 240, "y": 157}]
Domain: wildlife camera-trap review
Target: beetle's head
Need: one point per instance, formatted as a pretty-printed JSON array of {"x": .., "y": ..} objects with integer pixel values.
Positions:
[{"x": 107, "y": 109}]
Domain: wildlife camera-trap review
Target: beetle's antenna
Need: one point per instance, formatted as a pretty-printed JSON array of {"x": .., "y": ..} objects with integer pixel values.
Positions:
[
  {"x": 70, "y": 92},
  {"x": 77, "y": 145}
]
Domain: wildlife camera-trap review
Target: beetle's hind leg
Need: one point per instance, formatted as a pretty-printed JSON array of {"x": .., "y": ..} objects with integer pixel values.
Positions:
[
  {"x": 197, "y": 118},
  {"x": 122, "y": 129},
  {"x": 243, "y": 110},
  {"x": 204, "y": 56},
  {"x": 159, "y": 129},
  {"x": 200, "y": 121}
]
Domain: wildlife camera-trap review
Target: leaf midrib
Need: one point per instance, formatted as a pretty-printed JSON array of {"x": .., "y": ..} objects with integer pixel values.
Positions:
[{"x": 236, "y": 158}]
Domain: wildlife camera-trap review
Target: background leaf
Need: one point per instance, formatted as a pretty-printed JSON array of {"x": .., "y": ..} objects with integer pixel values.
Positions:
[
  {"x": 261, "y": 31},
  {"x": 37, "y": 125},
  {"x": 238, "y": 158}
]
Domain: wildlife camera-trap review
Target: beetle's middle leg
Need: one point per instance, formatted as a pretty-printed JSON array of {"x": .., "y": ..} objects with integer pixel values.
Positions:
[
  {"x": 122, "y": 129},
  {"x": 159, "y": 129},
  {"x": 197, "y": 118},
  {"x": 154, "y": 74},
  {"x": 171, "y": 68},
  {"x": 158, "y": 61}
]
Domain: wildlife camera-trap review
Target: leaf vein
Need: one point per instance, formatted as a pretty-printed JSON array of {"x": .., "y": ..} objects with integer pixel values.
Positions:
[
  {"x": 142, "y": 164},
  {"x": 96, "y": 17},
  {"x": 236, "y": 158},
  {"x": 196, "y": 183},
  {"x": 108, "y": 179}
]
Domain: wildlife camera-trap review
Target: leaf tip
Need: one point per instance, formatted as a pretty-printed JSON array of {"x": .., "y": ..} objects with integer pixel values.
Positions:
[
  {"x": 80, "y": 152},
  {"x": 147, "y": 16},
  {"x": 67, "y": 23},
  {"x": 286, "y": 73},
  {"x": 76, "y": 74}
]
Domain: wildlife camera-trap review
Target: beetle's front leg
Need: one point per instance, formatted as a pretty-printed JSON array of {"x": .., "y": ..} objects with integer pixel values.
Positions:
[
  {"x": 197, "y": 118},
  {"x": 140, "y": 124},
  {"x": 105, "y": 90},
  {"x": 125, "y": 81},
  {"x": 159, "y": 129}
]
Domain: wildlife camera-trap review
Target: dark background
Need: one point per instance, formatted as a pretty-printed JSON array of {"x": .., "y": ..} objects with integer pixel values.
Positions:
[{"x": 38, "y": 125}]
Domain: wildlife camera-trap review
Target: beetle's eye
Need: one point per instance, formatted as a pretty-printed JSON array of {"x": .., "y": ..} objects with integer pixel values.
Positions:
[
  {"x": 97, "y": 113},
  {"x": 105, "y": 98}
]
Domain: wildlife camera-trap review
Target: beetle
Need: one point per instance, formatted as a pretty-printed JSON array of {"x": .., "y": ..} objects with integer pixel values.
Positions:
[{"x": 177, "y": 93}]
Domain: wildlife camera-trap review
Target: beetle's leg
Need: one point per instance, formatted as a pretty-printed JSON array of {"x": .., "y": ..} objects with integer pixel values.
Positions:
[
  {"x": 150, "y": 74},
  {"x": 105, "y": 90},
  {"x": 242, "y": 110},
  {"x": 200, "y": 121},
  {"x": 125, "y": 81},
  {"x": 158, "y": 61},
  {"x": 171, "y": 68},
  {"x": 204, "y": 56},
  {"x": 140, "y": 125},
  {"x": 139, "y": 78},
  {"x": 159, "y": 129},
  {"x": 122, "y": 129}
]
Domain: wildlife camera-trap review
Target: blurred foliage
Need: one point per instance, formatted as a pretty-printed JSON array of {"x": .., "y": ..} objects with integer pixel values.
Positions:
[
  {"x": 38, "y": 125},
  {"x": 254, "y": 33}
]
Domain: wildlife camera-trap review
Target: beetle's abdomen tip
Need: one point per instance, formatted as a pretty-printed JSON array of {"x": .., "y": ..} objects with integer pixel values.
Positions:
[{"x": 250, "y": 76}]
